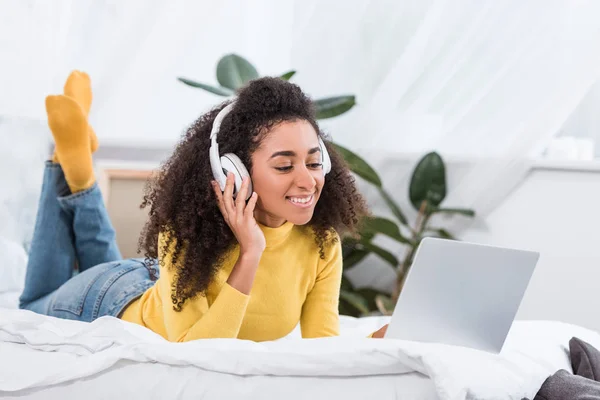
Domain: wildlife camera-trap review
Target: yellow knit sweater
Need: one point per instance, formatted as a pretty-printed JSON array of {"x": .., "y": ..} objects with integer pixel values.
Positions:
[{"x": 292, "y": 284}]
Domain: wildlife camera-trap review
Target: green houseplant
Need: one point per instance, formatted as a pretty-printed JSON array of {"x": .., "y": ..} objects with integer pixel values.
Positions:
[
  {"x": 427, "y": 191},
  {"x": 234, "y": 71}
]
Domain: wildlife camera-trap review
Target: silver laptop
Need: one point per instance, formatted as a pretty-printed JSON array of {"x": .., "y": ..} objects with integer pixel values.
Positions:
[{"x": 462, "y": 294}]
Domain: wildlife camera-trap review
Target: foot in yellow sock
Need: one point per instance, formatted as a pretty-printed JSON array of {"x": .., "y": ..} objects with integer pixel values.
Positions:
[
  {"x": 78, "y": 87},
  {"x": 68, "y": 124}
]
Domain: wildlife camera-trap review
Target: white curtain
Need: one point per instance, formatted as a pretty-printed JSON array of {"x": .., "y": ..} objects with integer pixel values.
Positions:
[
  {"x": 482, "y": 82},
  {"x": 485, "y": 83},
  {"x": 475, "y": 80},
  {"x": 134, "y": 52}
]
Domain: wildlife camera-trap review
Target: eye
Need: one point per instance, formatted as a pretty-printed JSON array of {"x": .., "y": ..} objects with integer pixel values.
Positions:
[
  {"x": 283, "y": 169},
  {"x": 315, "y": 165}
]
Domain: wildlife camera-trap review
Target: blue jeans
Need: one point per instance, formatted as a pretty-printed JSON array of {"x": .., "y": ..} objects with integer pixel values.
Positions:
[{"x": 74, "y": 229}]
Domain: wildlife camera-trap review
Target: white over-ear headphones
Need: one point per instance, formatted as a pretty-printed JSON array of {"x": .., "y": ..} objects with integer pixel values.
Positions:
[{"x": 221, "y": 165}]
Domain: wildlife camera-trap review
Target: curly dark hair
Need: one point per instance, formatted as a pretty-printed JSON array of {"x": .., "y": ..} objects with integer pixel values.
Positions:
[{"x": 183, "y": 203}]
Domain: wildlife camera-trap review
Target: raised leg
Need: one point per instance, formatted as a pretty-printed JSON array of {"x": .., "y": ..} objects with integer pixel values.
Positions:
[
  {"x": 52, "y": 253},
  {"x": 95, "y": 238}
]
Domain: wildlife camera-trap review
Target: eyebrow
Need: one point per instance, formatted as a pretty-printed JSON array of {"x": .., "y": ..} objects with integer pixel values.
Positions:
[{"x": 289, "y": 153}]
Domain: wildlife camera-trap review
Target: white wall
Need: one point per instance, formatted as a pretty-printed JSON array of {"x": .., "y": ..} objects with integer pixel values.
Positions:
[
  {"x": 585, "y": 120},
  {"x": 555, "y": 211}
]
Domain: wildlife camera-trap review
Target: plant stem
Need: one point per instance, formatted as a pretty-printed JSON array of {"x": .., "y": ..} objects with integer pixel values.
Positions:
[
  {"x": 420, "y": 225},
  {"x": 420, "y": 217}
]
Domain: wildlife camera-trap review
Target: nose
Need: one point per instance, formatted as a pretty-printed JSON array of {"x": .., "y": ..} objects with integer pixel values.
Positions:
[{"x": 304, "y": 179}]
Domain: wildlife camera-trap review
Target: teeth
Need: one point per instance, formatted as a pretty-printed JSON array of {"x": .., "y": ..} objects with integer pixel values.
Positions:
[{"x": 301, "y": 200}]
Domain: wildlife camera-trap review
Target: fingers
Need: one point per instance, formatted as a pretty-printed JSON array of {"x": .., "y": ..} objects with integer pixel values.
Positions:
[
  {"x": 380, "y": 333},
  {"x": 384, "y": 330},
  {"x": 235, "y": 211},
  {"x": 228, "y": 195},
  {"x": 249, "y": 211},
  {"x": 240, "y": 200},
  {"x": 220, "y": 201}
]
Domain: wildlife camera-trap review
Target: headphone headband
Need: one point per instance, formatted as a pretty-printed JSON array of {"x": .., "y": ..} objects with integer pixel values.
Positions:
[
  {"x": 219, "y": 118},
  {"x": 216, "y": 160}
]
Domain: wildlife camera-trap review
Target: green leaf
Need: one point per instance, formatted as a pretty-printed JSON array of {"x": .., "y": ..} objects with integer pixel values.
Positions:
[
  {"x": 349, "y": 242},
  {"x": 358, "y": 165},
  {"x": 443, "y": 233},
  {"x": 234, "y": 71},
  {"x": 369, "y": 294},
  {"x": 354, "y": 258},
  {"x": 384, "y": 226},
  {"x": 333, "y": 106},
  {"x": 393, "y": 206},
  {"x": 356, "y": 300},
  {"x": 288, "y": 75},
  {"x": 346, "y": 308},
  {"x": 347, "y": 246},
  {"x": 461, "y": 211},
  {"x": 221, "y": 91},
  {"x": 384, "y": 254},
  {"x": 366, "y": 234},
  {"x": 346, "y": 284},
  {"x": 428, "y": 182}
]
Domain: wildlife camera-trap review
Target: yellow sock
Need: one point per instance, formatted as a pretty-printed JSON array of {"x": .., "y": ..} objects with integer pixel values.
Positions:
[
  {"x": 68, "y": 124},
  {"x": 78, "y": 87}
]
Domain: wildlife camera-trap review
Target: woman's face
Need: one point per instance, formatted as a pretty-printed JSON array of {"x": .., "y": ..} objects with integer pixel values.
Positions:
[{"x": 287, "y": 174}]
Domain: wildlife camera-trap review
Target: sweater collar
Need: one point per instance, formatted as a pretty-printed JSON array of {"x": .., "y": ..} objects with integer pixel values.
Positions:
[{"x": 276, "y": 236}]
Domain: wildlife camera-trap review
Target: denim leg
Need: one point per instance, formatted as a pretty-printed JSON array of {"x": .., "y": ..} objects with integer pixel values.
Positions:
[
  {"x": 95, "y": 238},
  {"x": 104, "y": 290},
  {"x": 51, "y": 254}
]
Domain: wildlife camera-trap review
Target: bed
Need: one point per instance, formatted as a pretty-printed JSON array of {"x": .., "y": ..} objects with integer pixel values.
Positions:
[
  {"x": 46, "y": 358},
  {"x": 43, "y": 357}
]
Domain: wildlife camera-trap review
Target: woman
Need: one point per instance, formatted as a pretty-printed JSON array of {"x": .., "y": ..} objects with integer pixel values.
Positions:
[{"x": 237, "y": 258}]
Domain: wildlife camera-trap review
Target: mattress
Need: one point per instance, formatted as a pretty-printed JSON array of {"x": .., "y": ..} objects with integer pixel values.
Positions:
[
  {"x": 45, "y": 357},
  {"x": 134, "y": 380}
]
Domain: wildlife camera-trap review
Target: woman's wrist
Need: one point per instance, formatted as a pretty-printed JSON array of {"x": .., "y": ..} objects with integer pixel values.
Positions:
[
  {"x": 241, "y": 277},
  {"x": 251, "y": 254}
]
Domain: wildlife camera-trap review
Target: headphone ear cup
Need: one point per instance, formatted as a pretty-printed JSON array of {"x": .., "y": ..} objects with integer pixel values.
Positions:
[
  {"x": 325, "y": 157},
  {"x": 232, "y": 163}
]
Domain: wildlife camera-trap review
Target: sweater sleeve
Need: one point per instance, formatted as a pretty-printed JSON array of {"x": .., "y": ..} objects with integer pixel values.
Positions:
[
  {"x": 320, "y": 312},
  {"x": 198, "y": 320}
]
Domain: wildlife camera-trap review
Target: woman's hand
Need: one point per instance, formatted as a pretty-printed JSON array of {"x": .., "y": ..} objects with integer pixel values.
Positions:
[
  {"x": 240, "y": 216},
  {"x": 381, "y": 332}
]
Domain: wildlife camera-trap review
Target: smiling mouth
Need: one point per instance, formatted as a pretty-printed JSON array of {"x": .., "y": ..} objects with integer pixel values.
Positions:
[{"x": 302, "y": 202}]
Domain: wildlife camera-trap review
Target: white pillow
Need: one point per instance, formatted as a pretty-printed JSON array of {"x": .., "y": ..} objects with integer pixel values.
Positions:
[{"x": 13, "y": 266}]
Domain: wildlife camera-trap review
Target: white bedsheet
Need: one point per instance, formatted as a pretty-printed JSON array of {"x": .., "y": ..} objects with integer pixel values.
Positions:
[
  {"x": 131, "y": 381},
  {"x": 38, "y": 351}
]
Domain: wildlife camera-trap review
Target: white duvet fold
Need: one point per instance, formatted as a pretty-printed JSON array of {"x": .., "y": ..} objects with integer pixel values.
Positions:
[{"x": 37, "y": 351}]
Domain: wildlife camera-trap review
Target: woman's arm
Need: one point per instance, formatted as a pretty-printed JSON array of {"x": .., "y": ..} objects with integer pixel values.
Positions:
[
  {"x": 197, "y": 320},
  {"x": 242, "y": 276},
  {"x": 224, "y": 317},
  {"x": 380, "y": 333},
  {"x": 320, "y": 312}
]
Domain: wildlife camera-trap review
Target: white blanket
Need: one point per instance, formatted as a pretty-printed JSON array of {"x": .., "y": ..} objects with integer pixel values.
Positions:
[{"x": 62, "y": 351}]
